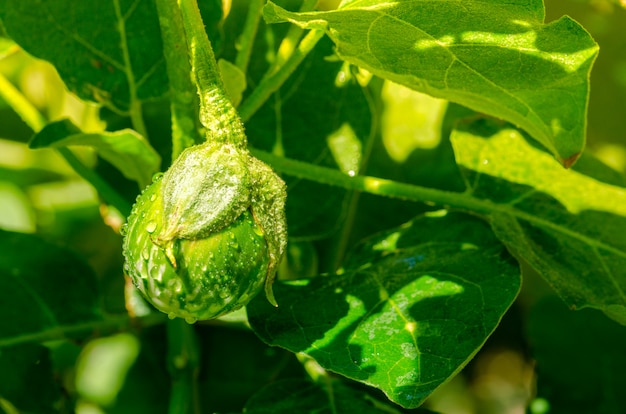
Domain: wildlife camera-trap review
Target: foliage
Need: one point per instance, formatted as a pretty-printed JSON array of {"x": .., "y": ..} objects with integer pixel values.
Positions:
[{"x": 433, "y": 156}]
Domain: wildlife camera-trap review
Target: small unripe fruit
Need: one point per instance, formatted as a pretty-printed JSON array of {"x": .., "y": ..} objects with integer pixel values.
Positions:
[{"x": 203, "y": 240}]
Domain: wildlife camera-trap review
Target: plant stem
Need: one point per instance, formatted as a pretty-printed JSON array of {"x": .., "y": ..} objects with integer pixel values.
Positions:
[
  {"x": 246, "y": 40},
  {"x": 36, "y": 121},
  {"x": 374, "y": 185},
  {"x": 183, "y": 94},
  {"x": 183, "y": 357},
  {"x": 109, "y": 324},
  {"x": 217, "y": 113},
  {"x": 273, "y": 81}
]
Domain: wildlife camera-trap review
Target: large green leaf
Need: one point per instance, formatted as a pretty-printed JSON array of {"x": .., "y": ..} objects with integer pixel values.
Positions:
[
  {"x": 581, "y": 365},
  {"x": 568, "y": 226},
  {"x": 415, "y": 304},
  {"x": 45, "y": 290},
  {"x": 127, "y": 150},
  {"x": 105, "y": 51},
  {"x": 492, "y": 56}
]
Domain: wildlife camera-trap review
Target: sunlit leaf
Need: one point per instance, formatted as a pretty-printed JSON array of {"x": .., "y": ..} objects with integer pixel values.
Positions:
[
  {"x": 415, "y": 304},
  {"x": 494, "y": 57},
  {"x": 570, "y": 227}
]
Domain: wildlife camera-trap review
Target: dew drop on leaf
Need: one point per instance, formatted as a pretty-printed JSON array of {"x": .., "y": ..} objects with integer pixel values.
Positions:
[{"x": 151, "y": 226}]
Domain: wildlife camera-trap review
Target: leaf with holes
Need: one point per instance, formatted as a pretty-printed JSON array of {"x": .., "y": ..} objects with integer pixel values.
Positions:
[
  {"x": 414, "y": 306},
  {"x": 497, "y": 57},
  {"x": 568, "y": 226}
]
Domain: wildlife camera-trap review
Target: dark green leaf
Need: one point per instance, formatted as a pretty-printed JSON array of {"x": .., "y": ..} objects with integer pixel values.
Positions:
[
  {"x": 581, "y": 364},
  {"x": 301, "y": 396},
  {"x": 128, "y": 151},
  {"x": 494, "y": 57},
  {"x": 568, "y": 226},
  {"x": 45, "y": 290},
  {"x": 236, "y": 365},
  {"x": 26, "y": 379},
  {"x": 414, "y": 306},
  {"x": 107, "y": 51}
]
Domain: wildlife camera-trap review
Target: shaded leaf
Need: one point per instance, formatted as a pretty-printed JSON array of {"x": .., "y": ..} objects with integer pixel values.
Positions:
[
  {"x": 581, "y": 365},
  {"x": 26, "y": 379},
  {"x": 108, "y": 51},
  {"x": 302, "y": 396},
  {"x": 568, "y": 226},
  {"x": 226, "y": 383},
  {"x": 497, "y": 58},
  {"x": 45, "y": 290},
  {"x": 415, "y": 304},
  {"x": 105, "y": 52},
  {"x": 127, "y": 150}
]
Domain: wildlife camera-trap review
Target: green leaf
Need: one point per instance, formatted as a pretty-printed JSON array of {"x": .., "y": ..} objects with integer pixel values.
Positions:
[
  {"x": 226, "y": 383},
  {"x": 26, "y": 379},
  {"x": 568, "y": 226},
  {"x": 301, "y": 396},
  {"x": 581, "y": 365},
  {"x": 45, "y": 290},
  {"x": 105, "y": 52},
  {"x": 496, "y": 57},
  {"x": 415, "y": 304},
  {"x": 103, "y": 365},
  {"x": 127, "y": 150}
]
